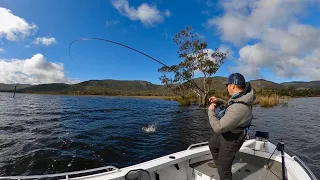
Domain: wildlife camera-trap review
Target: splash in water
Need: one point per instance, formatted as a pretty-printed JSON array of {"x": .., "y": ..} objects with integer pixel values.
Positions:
[{"x": 149, "y": 128}]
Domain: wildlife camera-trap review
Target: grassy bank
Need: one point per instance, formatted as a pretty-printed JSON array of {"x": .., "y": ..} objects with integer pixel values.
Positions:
[
  {"x": 263, "y": 101},
  {"x": 271, "y": 101}
]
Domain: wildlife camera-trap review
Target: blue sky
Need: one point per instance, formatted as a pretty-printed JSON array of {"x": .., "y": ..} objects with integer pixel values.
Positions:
[{"x": 278, "y": 47}]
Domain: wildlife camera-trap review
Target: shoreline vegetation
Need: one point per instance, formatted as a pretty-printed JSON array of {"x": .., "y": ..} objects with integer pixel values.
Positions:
[
  {"x": 262, "y": 101},
  {"x": 273, "y": 100}
]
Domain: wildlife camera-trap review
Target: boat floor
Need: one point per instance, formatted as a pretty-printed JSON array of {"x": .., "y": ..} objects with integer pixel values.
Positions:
[{"x": 240, "y": 170}]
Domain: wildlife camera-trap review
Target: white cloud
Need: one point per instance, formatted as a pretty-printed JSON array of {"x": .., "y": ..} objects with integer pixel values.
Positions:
[
  {"x": 226, "y": 49},
  {"x": 12, "y": 27},
  {"x": 47, "y": 41},
  {"x": 210, "y": 51},
  {"x": 36, "y": 70},
  {"x": 148, "y": 15},
  {"x": 230, "y": 26},
  {"x": 270, "y": 36},
  {"x": 2, "y": 50}
]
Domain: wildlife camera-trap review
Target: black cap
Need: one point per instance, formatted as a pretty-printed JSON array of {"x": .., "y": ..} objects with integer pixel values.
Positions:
[{"x": 237, "y": 79}]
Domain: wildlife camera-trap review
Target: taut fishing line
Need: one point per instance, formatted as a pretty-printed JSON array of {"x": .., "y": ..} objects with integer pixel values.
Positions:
[{"x": 133, "y": 49}]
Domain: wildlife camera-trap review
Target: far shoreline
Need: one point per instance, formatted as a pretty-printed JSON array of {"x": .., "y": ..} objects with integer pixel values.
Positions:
[{"x": 91, "y": 95}]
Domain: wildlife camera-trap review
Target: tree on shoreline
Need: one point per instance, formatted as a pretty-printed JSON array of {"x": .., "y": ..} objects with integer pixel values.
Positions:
[{"x": 196, "y": 58}]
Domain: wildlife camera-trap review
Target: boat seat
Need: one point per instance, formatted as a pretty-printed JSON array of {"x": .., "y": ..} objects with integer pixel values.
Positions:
[{"x": 263, "y": 136}]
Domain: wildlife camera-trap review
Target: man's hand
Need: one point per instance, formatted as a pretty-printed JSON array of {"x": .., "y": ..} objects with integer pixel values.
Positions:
[
  {"x": 212, "y": 106},
  {"x": 213, "y": 100}
]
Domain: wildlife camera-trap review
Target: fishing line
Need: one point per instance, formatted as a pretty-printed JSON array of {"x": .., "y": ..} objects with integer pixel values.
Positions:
[{"x": 133, "y": 49}]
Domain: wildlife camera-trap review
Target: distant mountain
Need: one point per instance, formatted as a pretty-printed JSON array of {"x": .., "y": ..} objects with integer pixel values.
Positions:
[
  {"x": 46, "y": 88},
  {"x": 303, "y": 85},
  {"x": 115, "y": 85},
  {"x": 264, "y": 84},
  {"x": 101, "y": 87},
  {"x": 10, "y": 87},
  {"x": 143, "y": 88},
  {"x": 217, "y": 83}
]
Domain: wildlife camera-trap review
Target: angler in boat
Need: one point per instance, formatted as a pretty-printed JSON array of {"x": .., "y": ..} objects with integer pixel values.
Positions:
[{"x": 230, "y": 124}]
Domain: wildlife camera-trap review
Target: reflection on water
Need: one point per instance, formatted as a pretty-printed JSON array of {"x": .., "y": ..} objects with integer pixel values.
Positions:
[{"x": 48, "y": 134}]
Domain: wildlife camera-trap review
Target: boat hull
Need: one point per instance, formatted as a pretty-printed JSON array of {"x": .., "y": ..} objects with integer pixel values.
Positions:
[{"x": 190, "y": 164}]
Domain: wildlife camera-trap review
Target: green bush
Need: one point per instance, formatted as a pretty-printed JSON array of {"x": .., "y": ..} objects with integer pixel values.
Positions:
[
  {"x": 271, "y": 101},
  {"x": 184, "y": 101}
]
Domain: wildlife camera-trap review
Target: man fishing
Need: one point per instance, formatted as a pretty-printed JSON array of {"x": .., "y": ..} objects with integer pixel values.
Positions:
[{"x": 230, "y": 125}]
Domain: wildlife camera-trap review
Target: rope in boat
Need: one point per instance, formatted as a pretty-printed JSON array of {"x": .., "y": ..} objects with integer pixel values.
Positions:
[
  {"x": 267, "y": 165},
  {"x": 135, "y": 50}
]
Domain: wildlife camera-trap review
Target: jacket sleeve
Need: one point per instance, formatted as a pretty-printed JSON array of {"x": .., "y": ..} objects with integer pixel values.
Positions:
[{"x": 231, "y": 119}]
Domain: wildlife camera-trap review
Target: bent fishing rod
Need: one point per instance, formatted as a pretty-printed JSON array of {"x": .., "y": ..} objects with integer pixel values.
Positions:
[{"x": 135, "y": 50}]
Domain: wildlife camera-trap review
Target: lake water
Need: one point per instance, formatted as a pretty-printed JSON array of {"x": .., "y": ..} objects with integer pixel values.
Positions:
[{"x": 42, "y": 134}]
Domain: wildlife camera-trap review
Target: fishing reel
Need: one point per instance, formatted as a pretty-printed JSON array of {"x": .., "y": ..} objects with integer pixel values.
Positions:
[{"x": 218, "y": 105}]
